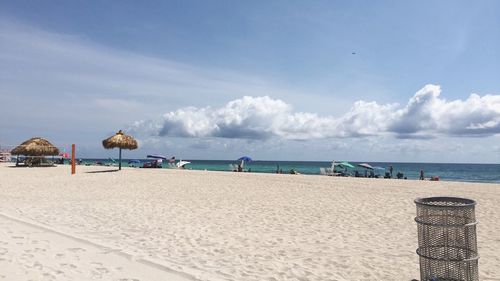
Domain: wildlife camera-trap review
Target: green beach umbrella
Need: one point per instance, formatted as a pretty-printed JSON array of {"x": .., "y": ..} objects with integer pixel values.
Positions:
[{"x": 347, "y": 164}]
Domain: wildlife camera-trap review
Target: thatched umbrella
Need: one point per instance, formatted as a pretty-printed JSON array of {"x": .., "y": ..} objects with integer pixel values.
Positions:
[
  {"x": 121, "y": 141},
  {"x": 36, "y": 147}
]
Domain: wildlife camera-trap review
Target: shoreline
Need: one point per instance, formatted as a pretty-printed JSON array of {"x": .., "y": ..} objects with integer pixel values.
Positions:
[{"x": 284, "y": 173}]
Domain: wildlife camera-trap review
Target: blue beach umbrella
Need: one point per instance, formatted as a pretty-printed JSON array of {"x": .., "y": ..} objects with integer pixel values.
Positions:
[{"x": 245, "y": 159}]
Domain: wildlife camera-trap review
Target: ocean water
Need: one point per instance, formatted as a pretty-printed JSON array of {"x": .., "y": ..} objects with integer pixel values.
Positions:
[{"x": 489, "y": 173}]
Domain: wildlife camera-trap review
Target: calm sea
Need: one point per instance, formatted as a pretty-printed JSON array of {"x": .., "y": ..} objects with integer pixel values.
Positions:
[{"x": 448, "y": 172}]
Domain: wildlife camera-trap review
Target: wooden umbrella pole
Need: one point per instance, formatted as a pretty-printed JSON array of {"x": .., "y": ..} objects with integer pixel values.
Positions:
[
  {"x": 73, "y": 162},
  {"x": 120, "y": 160}
]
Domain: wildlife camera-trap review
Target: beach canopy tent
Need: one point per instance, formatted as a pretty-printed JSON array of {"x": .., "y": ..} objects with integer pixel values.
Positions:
[
  {"x": 35, "y": 147},
  {"x": 366, "y": 166},
  {"x": 121, "y": 141},
  {"x": 156, "y": 156}
]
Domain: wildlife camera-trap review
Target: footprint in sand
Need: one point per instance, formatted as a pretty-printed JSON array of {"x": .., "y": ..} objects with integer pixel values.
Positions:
[
  {"x": 27, "y": 255},
  {"x": 102, "y": 270},
  {"x": 38, "y": 266},
  {"x": 72, "y": 266},
  {"x": 49, "y": 276},
  {"x": 75, "y": 250}
]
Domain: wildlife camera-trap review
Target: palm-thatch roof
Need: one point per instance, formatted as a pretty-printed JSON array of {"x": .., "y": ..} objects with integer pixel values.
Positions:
[
  {"x": 120, "y": 140},
  {"x": 36, "y": 147}
]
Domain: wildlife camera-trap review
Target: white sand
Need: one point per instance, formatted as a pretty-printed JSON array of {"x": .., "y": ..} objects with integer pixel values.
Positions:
[{"x": 220, "y": 226}]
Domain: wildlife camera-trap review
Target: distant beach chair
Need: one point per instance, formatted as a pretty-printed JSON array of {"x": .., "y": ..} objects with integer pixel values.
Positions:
[
  {"x": 233, "y": 167},
  {"x": 322, "y": 171},
  {"x": 328, "y": 172}
]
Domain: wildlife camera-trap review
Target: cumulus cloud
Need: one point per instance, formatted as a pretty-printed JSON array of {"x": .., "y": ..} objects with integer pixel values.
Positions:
[{"x": 426, "y": 115}]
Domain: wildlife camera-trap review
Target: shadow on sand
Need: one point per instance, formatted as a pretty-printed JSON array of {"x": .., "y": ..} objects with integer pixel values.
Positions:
[
  {"x": 104, "y": 171},
  {"x": 35, "y": 166}
]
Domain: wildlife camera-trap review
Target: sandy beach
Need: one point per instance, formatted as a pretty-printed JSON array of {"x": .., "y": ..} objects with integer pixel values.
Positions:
[{"x": 160, "y": 224}]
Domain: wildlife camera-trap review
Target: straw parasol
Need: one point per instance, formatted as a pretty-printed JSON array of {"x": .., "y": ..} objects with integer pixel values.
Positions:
[
  {"x": 121, "y": 141},
  {"x": 36, "y": 147}
]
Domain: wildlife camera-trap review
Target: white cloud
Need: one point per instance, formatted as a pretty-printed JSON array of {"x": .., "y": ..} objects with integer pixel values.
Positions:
[{"x": 426, "y": 115}]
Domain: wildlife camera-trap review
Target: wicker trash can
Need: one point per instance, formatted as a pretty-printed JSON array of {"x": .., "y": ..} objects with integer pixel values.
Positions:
[{"x": 447, "y": 244}]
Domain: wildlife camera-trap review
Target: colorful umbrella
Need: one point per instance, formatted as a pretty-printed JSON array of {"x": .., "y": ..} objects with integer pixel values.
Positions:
[
  {"x": 366, "y": 166},
  {"x": 65, "y": 155}
]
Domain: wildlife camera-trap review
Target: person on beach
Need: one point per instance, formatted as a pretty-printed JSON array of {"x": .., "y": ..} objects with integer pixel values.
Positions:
[
  {"x": 390, "y": 171},
  {"x": 240, "y": 169},
  {"x": 422, "y": 175}
]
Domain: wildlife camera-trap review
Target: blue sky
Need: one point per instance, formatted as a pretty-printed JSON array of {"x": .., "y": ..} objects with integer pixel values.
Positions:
[{"x": 274, "y": 79}]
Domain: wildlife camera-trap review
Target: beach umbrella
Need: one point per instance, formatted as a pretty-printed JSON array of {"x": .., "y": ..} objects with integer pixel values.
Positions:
[
  {"x": 121, "y": 141},
  {"x": 346, "y": 164},
  {"x": 181, "y": 163},
  {"x": 64, "y": 155},
  {"x": 244, "y": 159},
  {"x": 36, "y": 147},
  {"x": 366, "y": 166}
]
